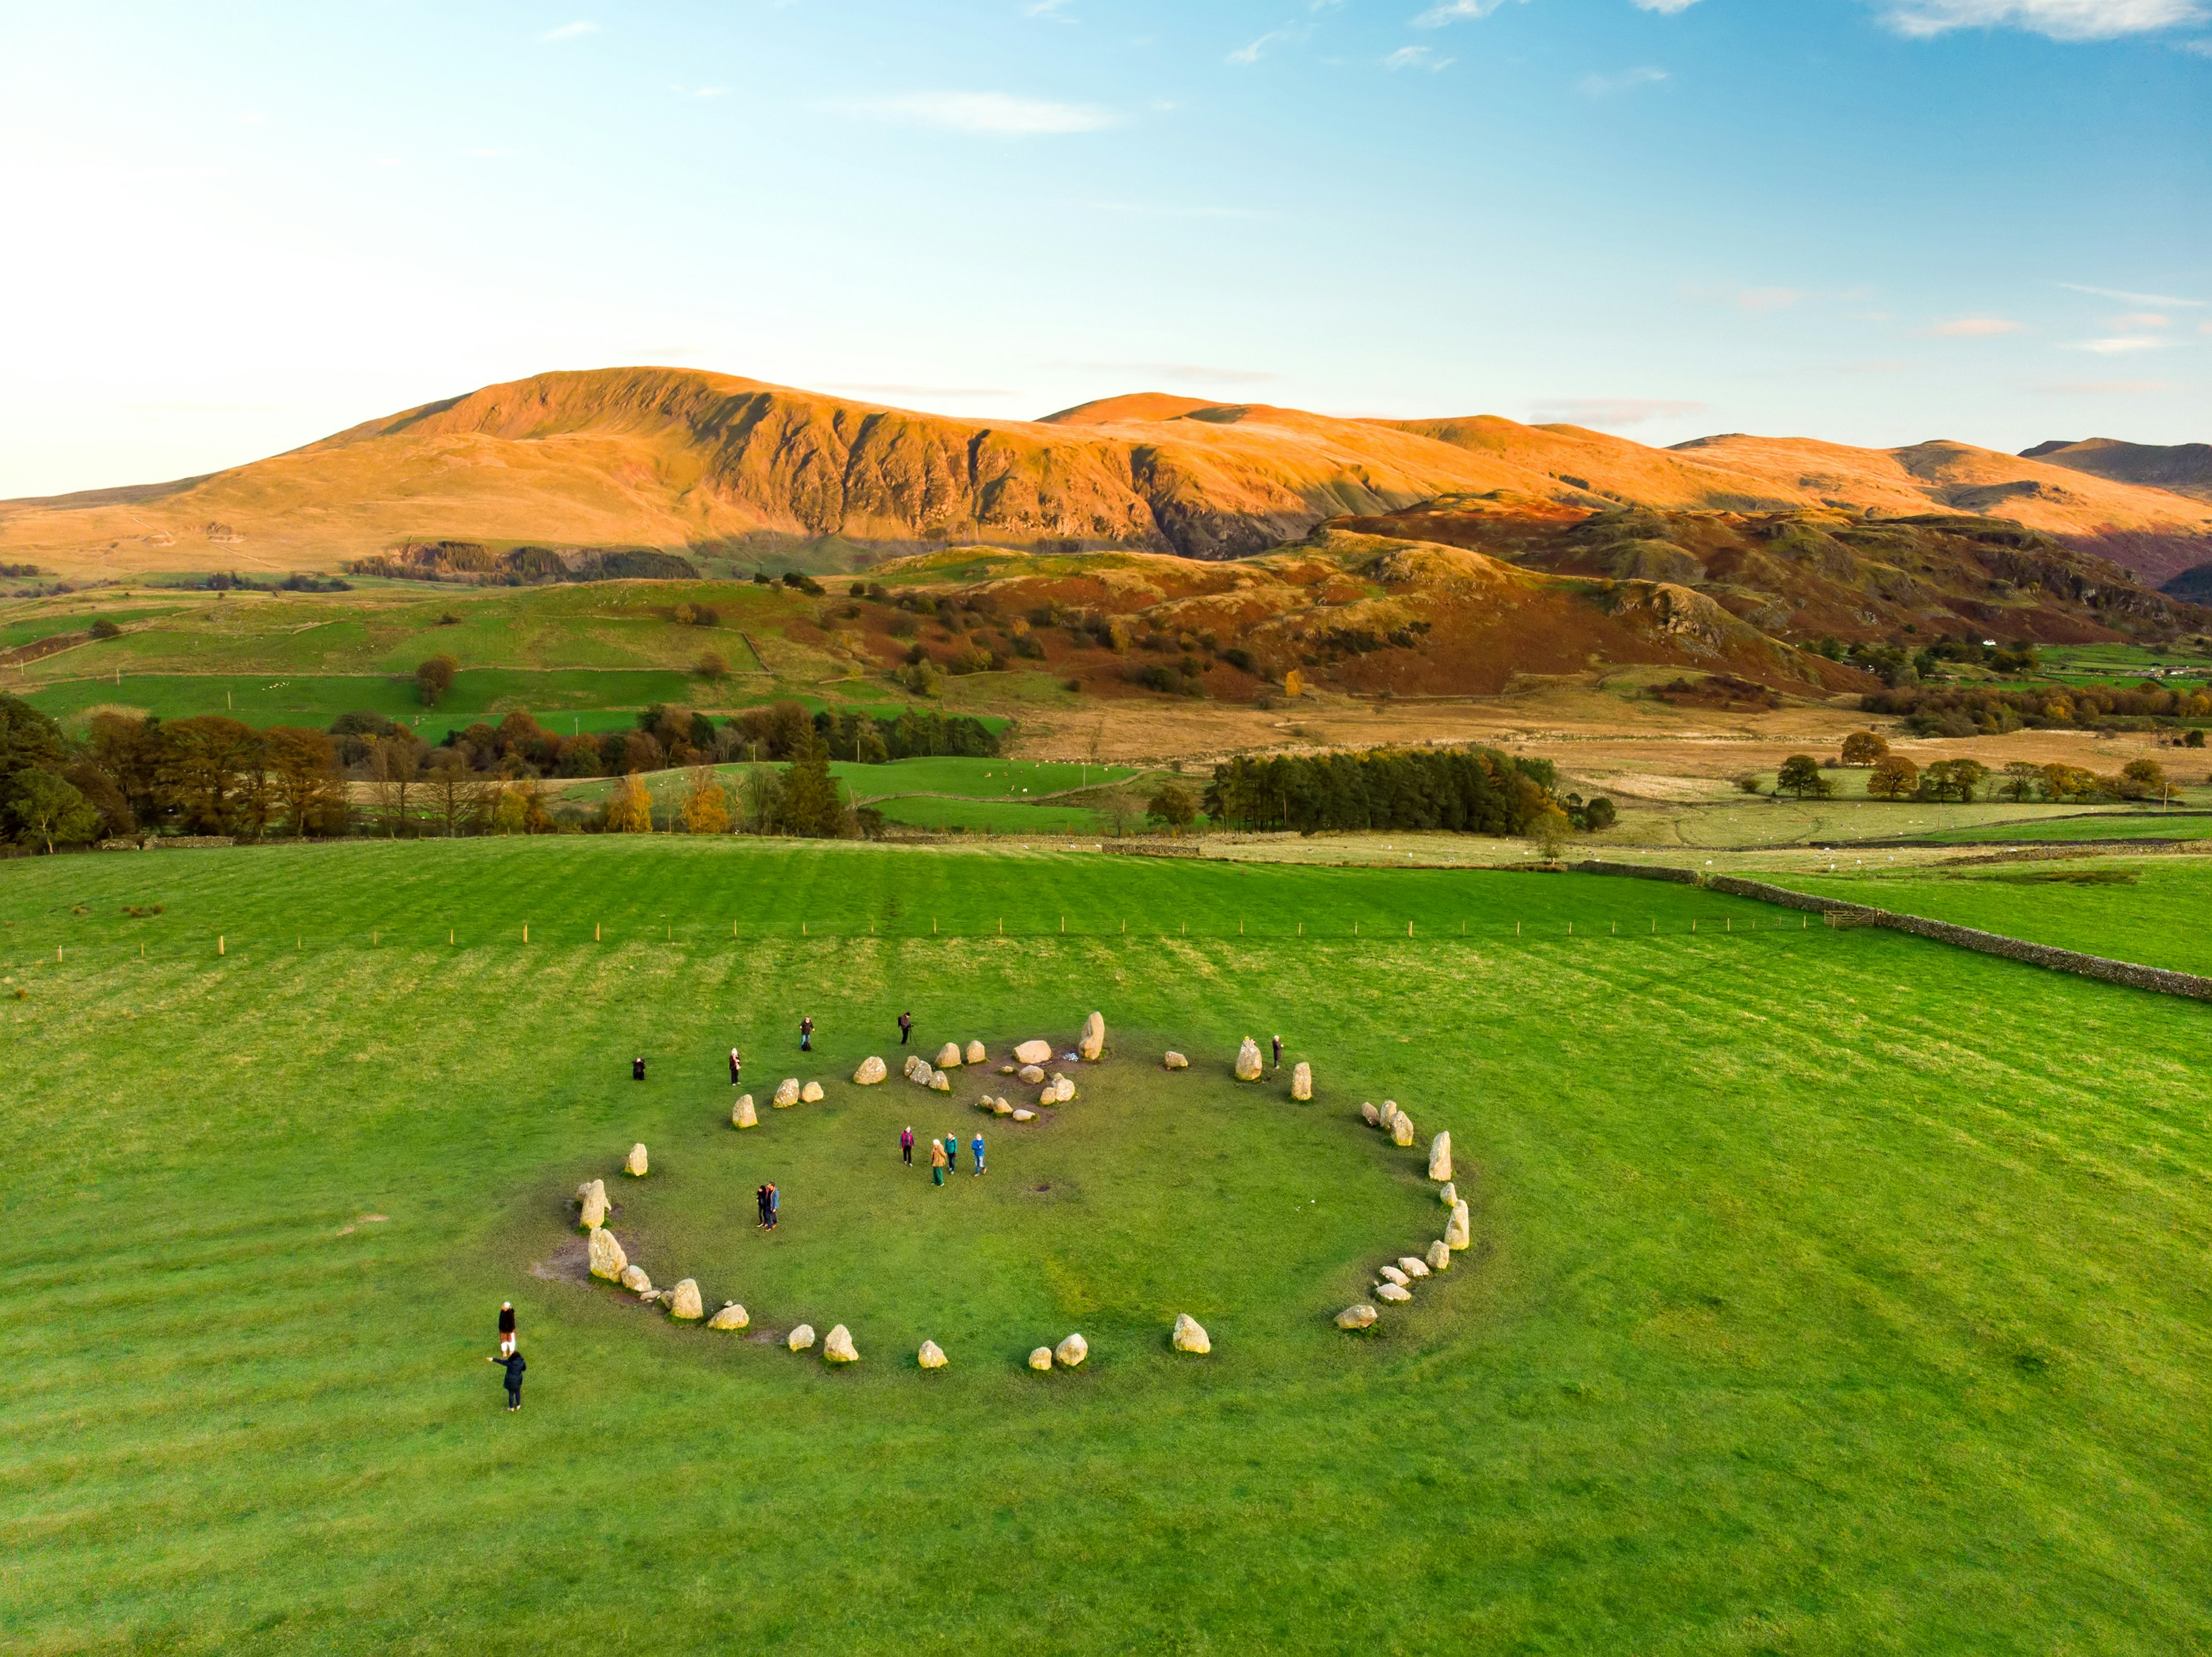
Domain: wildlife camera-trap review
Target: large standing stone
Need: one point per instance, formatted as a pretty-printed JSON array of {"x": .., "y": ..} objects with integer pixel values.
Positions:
[
  {"x": 1456, "y": 1231},
  {"x": 1413, "y": 1265},
  {"x": 1356, "y": 1317},
  {"x": 594, "y": 1213},
  {"x": 1393, "y": 1292},
  {"x": 732, "y": 1316},
  {"x": 1033, "y": 1052},
  {"x": 1040, "y": 1358},
  {"x": 1439, "y": 1256},
  {"x": 1072, "y": 1351},
  {"x": 948, "y": 1056},
  {"x": 1401, "y": 1129},
  {"x": 1393, "y": 1275},
  {"x": 932, "y": 1355},
  {"x": 786, "y": 1093},
  {"x": 1248, "y": 1061},
  {"x": 872, "y": 1071},
  {"x": 1092, "y": 1044},
  {"x": 742, "y": 1114},
  {"x": 686, "y": 1304},
  {"x": 1177, "y": 1062},
  {"x": 811, "y": 1093},
  {"x": 976, "y": 1054},
  {"x": 1190, "y": 1336},
  {"x": 839, "y": 1347},
  {"x": 1030, "y": 1073},
  {"x": 635, "y": 1164},
  {"x": 1440, "y": 1157},
  {"x": 608, "y": 1260},
  {"x": 801, "y": 1339},
  {"x": 634, "y": 1278},
  {"x": 1302, "y": 1082},
  {"x": 1370, "y": 1116}
]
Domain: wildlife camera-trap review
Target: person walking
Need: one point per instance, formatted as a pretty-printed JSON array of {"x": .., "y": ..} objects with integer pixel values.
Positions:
[
  {"x": 775, "y": 1202},
  {"x": 906, "y": 1027},
  {"x": 511, "y": 1360},
  {"x": 978, "y": 1149},
  {"x": 737, "y": 1067},
  {"x": 506, "y": 1328},
  {"x": 637, "y": 1069},
  {"x": 806, "y": 1035},
  {"x": 937, "y": 1161},
  {"x": 906, "y": 1148},
  {"x": 952, "y": 1152},
  {"x": 1279, "y": 1053}
]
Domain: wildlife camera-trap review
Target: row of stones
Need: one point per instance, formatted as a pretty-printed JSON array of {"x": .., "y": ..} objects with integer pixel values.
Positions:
[{"x": 1393, "y": 1284}]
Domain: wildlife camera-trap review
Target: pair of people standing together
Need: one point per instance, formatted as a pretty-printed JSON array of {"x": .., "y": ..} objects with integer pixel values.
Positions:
[{"x": 769, "y": 1200}]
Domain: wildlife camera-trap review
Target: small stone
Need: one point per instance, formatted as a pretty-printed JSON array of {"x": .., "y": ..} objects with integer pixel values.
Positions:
[
  {"x": 635, "y": 1165},
  {"x": 1413, "y": 1265},
  {"x": 634, "y": 1278},
  {"x": 1033, "y": 1052},
  {"x": 940, "y": 1083},
  {"x": 1439, "y": 1256},
  {"x": 1248, "y": 1061},
  {"x": 1302, "y": 1082},
  {"x": 948, "y": 1056},
  {"x": 974, "y": 1055},
  {"x": 786, "y": 1093},
  {"x": 1190, "y": 1336},
  {"x": 1370, "y": 1115},
  {"x": 608, "y": 1260},
  {"x": 1042, "y": 1358},
  {"x": 839, "y": 1347},
  {"x": 811, "y": 1093},
  {"x": 1456, "y": 1231},
  {"x": 1092, "y": 1046},
  {"x": 594, "y": 1195},
  {"x": 932, "y": 1355},
  {"x": 686, "y": 1304},
  {"x": 1440, "y": 1157},
  {"x": 1177, "y": 1062},
  {"x": 1393, "y": 1292},
  {"x": 1024, "y": 1116},
  {"x": 1393, "y": 1275},
  {"x": 1401, "y": 1129},
  {"x": 744, "y": 1116},
  {"x": 872, "y": 1071},
  {"x": 801, "y": 1339},
  {"x": 999, "y": 1107},
  {"x": 1449, "y": 1195},
  {"x": 1072, "y": 1351},
  {"x": 1006, "y": 1069},
  {"x": 732, "y": 1316},
  {"x": 1356, "y": 1317},
  {"x": 1030, "y": 1075}
]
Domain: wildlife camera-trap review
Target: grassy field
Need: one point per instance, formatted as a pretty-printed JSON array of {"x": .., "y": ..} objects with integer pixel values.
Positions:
[
  {"x": 2161, "y": 826},
  {"x": 980, "y": 795},
  {"x": 1832, "y": 1292}
]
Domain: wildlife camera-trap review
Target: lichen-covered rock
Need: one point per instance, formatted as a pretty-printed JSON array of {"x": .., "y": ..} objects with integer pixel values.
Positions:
[
  {"x": 1040, "y": 1358},
  {"x": 593, "y": 1209},
  {"x": 1190, "y": 1336},
  {"x": 732, "y": 1316},
  {"x": 1401, "y": 1129},
  {"x": 915, "y": 1069},
  {"x": 1356, "y": 1317},
  {"x": 1370, "y": 1116},
  {"x": 801, "y": 1339},
  {"x": 939, "y": 1082},
  {"x": 1177, "y": 1062},
  {"x": 1393, "y": 1292},
  {"x": 1248, "y": 1061},
  {"x": 785, "y": 1094},
  {"x": 838, "y": 1348},
  {"x": 1440, "y": 1157},
  {"x": 684, "y": 1304},
  {"x": 1413, "y": 1265},
  {"x": 1092, "y": 1046},
  {"x": 634, "y": 1279},
  {"x": 608, "y": 1260},
  {"x": 1030, "y": 1075},
  {"x": 999, "y": 1107},
  {"x": 811, "y": 1093},
  {"x": 742, "y": 1114},
  {"x": 872, "y": 1071},
  {"x": 635, "y": 1164},
  {"x": 1024, "y": 1116},
  {"x": 1070, "y": 1352},
  {"x": 1302, "y": 1082},
  {"x": 932, "y": 1355},
  {"x": 1033, "y": 1052},
  {"x": 1457, "y": 1233},
  {"x": 1393, "y": 1275},
  {"x": 1449, "y": 1195},
  {"x": 1439, "y": 1256},
  {"x": 948, "y": 1056}
]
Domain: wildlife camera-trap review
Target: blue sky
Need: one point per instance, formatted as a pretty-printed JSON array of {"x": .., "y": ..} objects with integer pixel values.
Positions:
[{"x": 239, "y": 226}]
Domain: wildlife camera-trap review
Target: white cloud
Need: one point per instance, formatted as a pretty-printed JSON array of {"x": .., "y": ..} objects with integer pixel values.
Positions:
[
  {"x": 1609, "y": 411},
  {"x": 993, "y": 113},
  {"x": 1605, "y": 86},
  {"x": 1417, "y": 57},
  {"x": 1972, "y": 327},
  {"x": 567, "y": 32},
  {"x": 1047, "y": 9},
  {"x": 1457, "y": 11},
  {"x": 2133, "y": 299},
  {"x": 2061, "y": 20},
  {"x": 2118, "y": 346},
  {"x": 1669, "y": 7},
  {"x": 1288, "y": 35}
]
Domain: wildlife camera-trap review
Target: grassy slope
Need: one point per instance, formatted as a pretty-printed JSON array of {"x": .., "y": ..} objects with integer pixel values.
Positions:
[
  {"x": 1801, "y": 1316},
  {"x": 2168, "y": 828}
]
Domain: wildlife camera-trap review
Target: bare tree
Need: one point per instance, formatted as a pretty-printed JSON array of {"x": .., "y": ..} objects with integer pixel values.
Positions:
[
  {"x": 393, "y": 766},
  {"x": 455, "y": 794}
]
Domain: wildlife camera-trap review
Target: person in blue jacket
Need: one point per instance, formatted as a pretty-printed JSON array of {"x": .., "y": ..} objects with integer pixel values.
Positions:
[{"x": 978, "y": 1149}]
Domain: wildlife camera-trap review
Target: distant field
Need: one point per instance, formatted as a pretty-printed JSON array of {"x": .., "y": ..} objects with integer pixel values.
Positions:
[{"x": 2178, "y": 826}]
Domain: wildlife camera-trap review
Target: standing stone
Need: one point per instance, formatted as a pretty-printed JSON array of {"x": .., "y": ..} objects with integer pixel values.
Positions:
[
  {"x": 1302, "y": 1082},
  {"x": 1072, "y": 1351},
  {"x": 839, "y": 1347},
  {"x": 914, "y": 1062},
  {"x": 1393, "y": 1275},
  {"x": 744, "y": 1116},
  {"x": 999, "y": 1107},
  {"x": 975, "y": 1054},
  {"x": 1449, "y": 1195},
  {"x": 1188, "y": 1335},
  {"x": 1393, "y": 1292},
  {"x": 1439, "y": 1256},
  {"x": 1356, "y": 1317},
  {"x": 686, "y": 1305},
  {"x": 940, "y": 1083},
  {"x": 1370, "y": 1116},
  {"x": 872, "y": 1071},
  {"x": 1440, "y": 1157},
  {"x": 1456, "y": 1231},
  {"x": 732, "y": 1316},
  {"x": 786, "y": 1093},
  {"x": 932, "y": 1355},
  {"x": 1401, "y": 1129},
  {"x": 1177, "y": 1062},
  {"x": 1413, "y": 1265},
  {"x": 1041, "y": 1358},
  {"x": 948, "y": 1056},
  {"x": 1092, "y": 1045},
  {"x": 634, "y": 1278},
  {"x": 1031, "y": 1074},
  {"x": 1248, "y": 1061},
  {"x": 595, "y": 1205},
  {"x": 608, "y": 1260},
  {"x": 635, "y": 1164},
  {"x": 1033, "y": 1052},
  {"x": 801, "y": 1339},
  {"x": 811, "y": 1093}
]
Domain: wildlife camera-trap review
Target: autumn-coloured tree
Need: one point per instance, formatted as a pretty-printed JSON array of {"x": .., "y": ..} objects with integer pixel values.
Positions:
[
  {"x": 303, "y": 770},
  {"x": 203, "y": 770},
  {"x": 454, "y": 794},
  {"x": 706, "y": 808},
  {"x": 2021, "y": 778},
  {"x": 1801, "y": 775},
  {"x": 1895, "y": 778},
  {"x": 629, "y": 811},
  {"x": 1864, "y": 748}
]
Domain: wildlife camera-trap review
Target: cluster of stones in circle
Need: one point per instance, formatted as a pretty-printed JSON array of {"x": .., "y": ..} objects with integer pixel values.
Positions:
[{"x": 1392, "y": 1284}]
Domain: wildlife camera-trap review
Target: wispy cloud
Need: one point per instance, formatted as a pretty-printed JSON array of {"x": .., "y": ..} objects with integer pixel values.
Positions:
[
  {"x": 1054, "y": 9},
  {"x": 1972, "y": 327},
  {"x": 2061, "y": 20},
  {"x": 1610, "y": 411},
  {"x": 1288, "y": 35},
  {"x": 1606, "y": 86},
  {"x": 2104, "y": 387},
  {"x": 2133, "y": 299},
  {"x": 2119, "y": 346},
  {"x": 1457, "y": 11},
  {"x": 1417, "y": 57},
  {"x": 574, "y": 31},
  {"x": 2141, "y": 320},
  {"x": 994, "y": 114},
  {"x": 1669, "y": 7}
]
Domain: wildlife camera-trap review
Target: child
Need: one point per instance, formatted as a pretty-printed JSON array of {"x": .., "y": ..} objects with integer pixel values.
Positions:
[
  {"x": 507, "y": 1329},
  {"x": 510, "y": 1361}
]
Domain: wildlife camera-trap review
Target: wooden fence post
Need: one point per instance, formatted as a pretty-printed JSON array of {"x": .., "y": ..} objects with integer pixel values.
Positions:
[{"x": 218, "y": 944}]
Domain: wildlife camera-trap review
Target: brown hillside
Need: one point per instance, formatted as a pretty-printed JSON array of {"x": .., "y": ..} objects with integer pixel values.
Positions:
[{"x": 2185, "y": 468}]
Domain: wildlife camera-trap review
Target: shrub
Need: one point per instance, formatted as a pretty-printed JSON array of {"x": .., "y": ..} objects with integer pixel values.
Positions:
[
  {"x": 106, "y": 628},
  {"x": 713, "y": 667},
  {"x": 434, "y": 677}
]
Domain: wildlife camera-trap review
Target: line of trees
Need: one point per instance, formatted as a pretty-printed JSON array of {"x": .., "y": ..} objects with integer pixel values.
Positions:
[
  {"x": 1469, "y": 790},
  {"x": 1984, "y": 710}
]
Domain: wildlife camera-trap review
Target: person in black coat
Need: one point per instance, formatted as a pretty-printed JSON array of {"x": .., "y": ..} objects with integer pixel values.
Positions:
[
  {"x": 513, "y": 1363},
  {"x": 637, "y": 1069},
  {"x": 806, "y": 1035},
  {"x": 906, "y": 1027},
  {"x": 737, "y": 1067},
  {"x": 505, "y": 1327}
]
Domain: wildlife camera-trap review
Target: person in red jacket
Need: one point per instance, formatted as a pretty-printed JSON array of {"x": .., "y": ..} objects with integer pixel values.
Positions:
[{"x": 906, "y": 1148}]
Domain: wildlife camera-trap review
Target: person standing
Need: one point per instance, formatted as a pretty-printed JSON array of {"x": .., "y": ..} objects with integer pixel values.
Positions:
[
  {"x": 737, "y": 1067},
  {"x": 637, "y": 1069},
  {"x": 510, "y": 1361},
  {"x": 952, "y": 1152},
  {"x": 937, "y": 1161},
  {"x": 978, "y": 1149},
  {"x": 1279, "y": 1053},
  {"x": 906, "y": 1148},
  {"x": 506, "y": 1328},
  {"x": 906, "y": 1027},
  {"x": 774, "y": 1203},
  {"x": 760, "y": 1203},
  {"x": 806, "y": 1035}
]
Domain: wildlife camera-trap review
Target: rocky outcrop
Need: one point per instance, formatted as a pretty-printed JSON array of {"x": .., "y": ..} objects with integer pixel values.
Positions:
[
  {"x": 1248, "y": 1061},
  {"x": 932, "y": 1355},
  {"x": 607, "y": 1259},
  {"x": 786, "y": 1093},
  {"x": 732, "y": 1316},
  {"x": 872, "y": 1071},
  {"x": 1440, "y": 1164},
  {"x": 635, "y": 1165},
  {"x": 1070, "y": 1352},
  {"x": 1092, "y": 1046},
  {"x": 742, "y": 1115},
  {"x": 1033, "y": 1052},
  {"x": 1302, "y": 1082},
  {"x": 838, "y": 1347},
  {"x": 1190, "y": 1336},
  {"x": 801, "y": 1339},
  {"x": 1356, "y": 1317},
  {"x": 684, "y": 1304}
]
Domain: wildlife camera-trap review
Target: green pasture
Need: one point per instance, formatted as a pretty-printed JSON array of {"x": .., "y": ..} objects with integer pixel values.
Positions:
[
  {"x": 1831, "y": 1291},
  {"x": 982, "y": 795},
  {"x": 2159, "y": 826}
]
